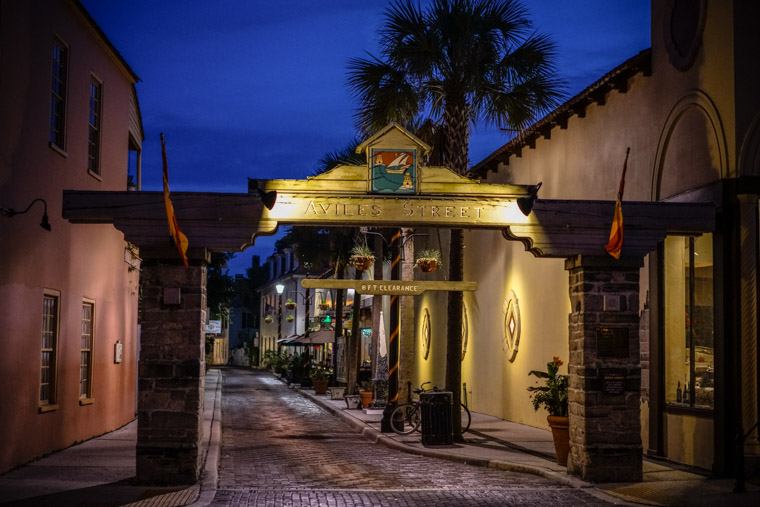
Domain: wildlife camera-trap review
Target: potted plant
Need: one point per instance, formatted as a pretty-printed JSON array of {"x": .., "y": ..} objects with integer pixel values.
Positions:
[
  {"x": 428, "y": 260},
  {"x": 290, "y": 304},
  {"x": 323, "y": 304},
  {"x": 290, "y": 318},
  {"x": 362, "y": 257},
  {"x": 553, "y": 397},
  {"x": 366, "y": 391},
  {"x": 268, "y": 319},
  {"x": 319, "y": 377}
]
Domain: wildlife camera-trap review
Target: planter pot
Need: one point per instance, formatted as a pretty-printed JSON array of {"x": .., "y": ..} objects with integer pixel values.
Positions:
[
  {"x": 324, "y": 307},
  {"x": 290, "y": 306},
  {"x": 320, "y": 386},
  {"x": 561, "y": 434},
  {"x": 366, "y": 398},
  {"x": 362, "y": 263},
  {"x": 427, "y": 265}
]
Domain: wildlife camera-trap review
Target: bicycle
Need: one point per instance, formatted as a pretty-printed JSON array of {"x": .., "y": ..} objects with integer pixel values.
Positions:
[{"x": 406, "y": 418}]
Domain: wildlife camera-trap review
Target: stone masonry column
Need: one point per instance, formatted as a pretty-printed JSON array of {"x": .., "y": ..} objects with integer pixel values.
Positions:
[
  {"x": 172, "y": 367},
  {"x": 605, "y": 375}
]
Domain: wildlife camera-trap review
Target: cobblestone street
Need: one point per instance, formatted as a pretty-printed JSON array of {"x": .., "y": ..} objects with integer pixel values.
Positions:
[{"x": 281, "y": 449}]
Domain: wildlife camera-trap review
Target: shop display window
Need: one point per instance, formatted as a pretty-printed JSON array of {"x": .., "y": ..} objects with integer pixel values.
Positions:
[{"x": 689, "y": 321}]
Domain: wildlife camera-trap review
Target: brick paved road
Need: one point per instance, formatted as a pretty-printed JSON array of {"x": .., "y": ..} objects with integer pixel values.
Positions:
[{"x": 279, "y": 449}]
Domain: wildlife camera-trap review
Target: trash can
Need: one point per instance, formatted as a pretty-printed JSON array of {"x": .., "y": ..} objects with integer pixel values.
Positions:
[{"x": 435, "y": 407}]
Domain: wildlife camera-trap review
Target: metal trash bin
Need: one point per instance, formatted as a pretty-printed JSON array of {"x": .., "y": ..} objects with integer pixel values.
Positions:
[{"x": 435, "y": 408}]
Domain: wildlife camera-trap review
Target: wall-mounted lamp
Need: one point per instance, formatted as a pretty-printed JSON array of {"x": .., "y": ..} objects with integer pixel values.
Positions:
[
  {"x": 526, "y": 203},
  {"x": 267, "y": 198},
  {"x": 10, "y": 213},
  {"x": 279, "y": 287}
]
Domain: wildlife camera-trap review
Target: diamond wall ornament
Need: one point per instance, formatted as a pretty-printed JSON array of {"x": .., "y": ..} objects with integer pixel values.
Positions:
[
  {"x": 465, "y": 330},
  {"x": 426, "y": 335},
  {"x": 511, "y": 325}
]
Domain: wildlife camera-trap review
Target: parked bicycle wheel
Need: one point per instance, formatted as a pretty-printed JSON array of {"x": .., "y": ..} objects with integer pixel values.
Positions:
[
  {"x": 405, "y": 419},
  {"x": 465, "y": 418}
]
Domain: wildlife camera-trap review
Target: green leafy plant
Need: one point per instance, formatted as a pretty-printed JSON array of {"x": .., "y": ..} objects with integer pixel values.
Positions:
[
  {"x": 553, "y": 394},
  {"x": 362, "y": 250},
  {"x": 366, "y": 386},
  {"x": 428, "y": 255},
  {"x": 319, "y": 373}
]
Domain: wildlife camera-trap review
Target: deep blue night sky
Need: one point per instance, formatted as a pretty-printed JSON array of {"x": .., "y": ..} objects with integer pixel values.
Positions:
[{"x": 258, "y": 89}]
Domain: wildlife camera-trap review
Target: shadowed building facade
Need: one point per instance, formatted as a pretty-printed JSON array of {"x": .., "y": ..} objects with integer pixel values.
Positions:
[{"x": 70, "y": 119}]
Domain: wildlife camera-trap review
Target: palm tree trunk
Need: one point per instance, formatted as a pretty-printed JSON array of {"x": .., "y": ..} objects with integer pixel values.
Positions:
[
  {"x": 454, "y": 329},
  {"x": 457, "y": 132}
]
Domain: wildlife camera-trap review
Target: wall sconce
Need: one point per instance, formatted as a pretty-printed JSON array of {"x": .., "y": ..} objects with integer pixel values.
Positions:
[
  {"x": 526, "y": 203},
  {"x": 267, "y": 198},
  {"x": 10, "y": 213}
]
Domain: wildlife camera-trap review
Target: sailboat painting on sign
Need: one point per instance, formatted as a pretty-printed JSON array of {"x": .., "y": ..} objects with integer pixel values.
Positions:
[{"x": 394, "y": 172}]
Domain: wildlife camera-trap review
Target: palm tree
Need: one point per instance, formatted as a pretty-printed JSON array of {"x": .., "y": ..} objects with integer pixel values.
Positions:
[{"x": 456, "y": 62}]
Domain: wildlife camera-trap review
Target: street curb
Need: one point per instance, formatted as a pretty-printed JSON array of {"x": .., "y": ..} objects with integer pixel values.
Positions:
[
  {"x": 377, "y": 437},
  {"x": 210, "y": 474}
]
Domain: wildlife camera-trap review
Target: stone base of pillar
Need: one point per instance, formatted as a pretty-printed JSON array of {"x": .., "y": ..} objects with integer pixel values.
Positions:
[
  {"x": 607, "y": 463},
  {"x": 172, "y": 366},
  {"x": 604, "y": 367}
]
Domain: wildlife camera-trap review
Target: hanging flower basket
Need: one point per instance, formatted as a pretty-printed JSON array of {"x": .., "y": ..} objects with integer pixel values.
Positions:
[
  {"x": 290, "y": 304},
  {"x": 268, "y": 319},
  {"x": 290, "y": 318},
  {"x": 428, "y": 260},
  {"x": 362, "y": 257},
  {"x": 324, "y": 306},
  {"x": 362, "y": 263},
  {"x": 427, "y": 265}
]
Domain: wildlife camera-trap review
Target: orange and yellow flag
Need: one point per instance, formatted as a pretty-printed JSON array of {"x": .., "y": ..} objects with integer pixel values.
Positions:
[
  {"x": 615, "y": 245},
  {"x": 176, "y": 234}
]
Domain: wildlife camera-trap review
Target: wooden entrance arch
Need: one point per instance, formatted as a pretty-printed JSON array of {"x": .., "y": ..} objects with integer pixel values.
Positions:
[{"x": 170, "y": 397}]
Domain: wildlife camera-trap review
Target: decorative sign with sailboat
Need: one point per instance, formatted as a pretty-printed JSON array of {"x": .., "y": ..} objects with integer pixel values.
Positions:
[{"x": 394, "y": 172}]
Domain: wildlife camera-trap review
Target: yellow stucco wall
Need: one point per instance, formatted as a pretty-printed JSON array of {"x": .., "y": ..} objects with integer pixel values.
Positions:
[{"x": 680, "y": 128}]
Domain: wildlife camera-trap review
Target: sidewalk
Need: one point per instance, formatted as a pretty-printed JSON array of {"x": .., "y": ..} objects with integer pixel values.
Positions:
[
  {"x": 496, "y": 443},
  {"x": 101, "y": 470}
]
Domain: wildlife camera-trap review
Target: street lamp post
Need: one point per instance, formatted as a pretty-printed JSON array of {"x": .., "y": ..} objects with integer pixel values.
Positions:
[{"x": 280, "y": 288}]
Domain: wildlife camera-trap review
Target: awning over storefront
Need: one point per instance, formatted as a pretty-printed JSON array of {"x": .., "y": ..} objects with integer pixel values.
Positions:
[
  {"x": 317, "y": 338},
  {"x": 289, "y": 341}
]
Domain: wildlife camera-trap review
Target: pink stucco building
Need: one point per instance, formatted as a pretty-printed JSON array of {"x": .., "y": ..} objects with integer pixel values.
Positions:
[{"x": 70, "y": 120}]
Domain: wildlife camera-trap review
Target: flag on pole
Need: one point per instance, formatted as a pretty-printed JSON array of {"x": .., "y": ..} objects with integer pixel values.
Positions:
[
  {"x": 615, "y": 244},
  {"x": 176, "y": 234}
]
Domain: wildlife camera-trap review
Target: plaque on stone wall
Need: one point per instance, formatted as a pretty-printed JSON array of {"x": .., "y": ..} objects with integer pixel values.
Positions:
[
  {"x": 613, "y": 380},
  {"x": 612, "y": 342}
]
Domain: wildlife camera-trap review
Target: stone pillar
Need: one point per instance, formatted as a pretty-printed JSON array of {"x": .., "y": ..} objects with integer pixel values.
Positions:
[
  {"x": 172, "y": 367},
  {"x": 605, "y": 375}
]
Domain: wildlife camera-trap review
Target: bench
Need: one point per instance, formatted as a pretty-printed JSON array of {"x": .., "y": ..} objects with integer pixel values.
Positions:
[{"x": 353, "y": 401}]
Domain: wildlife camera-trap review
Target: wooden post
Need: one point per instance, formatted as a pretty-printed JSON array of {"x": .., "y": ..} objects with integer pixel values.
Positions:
[{"x": 393, "y": 341}]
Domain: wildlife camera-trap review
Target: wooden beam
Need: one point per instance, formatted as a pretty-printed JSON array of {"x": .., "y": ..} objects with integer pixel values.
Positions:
[
  {"x": 388, "y": 287},
  {"x": 559, "y": 228}
]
